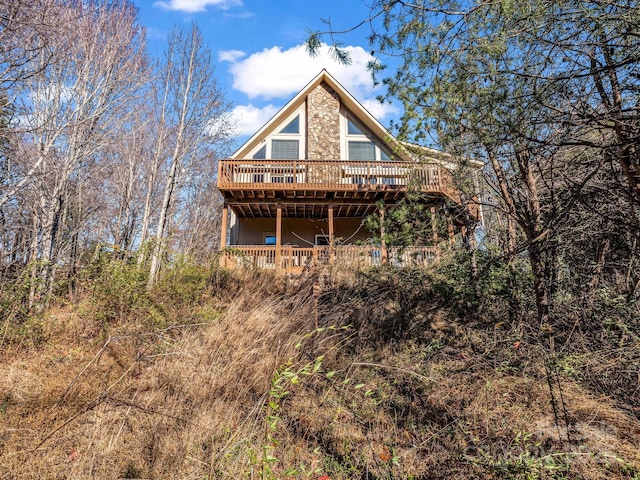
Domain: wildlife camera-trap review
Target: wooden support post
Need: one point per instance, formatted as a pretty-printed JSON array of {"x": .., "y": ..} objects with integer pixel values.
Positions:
[
  {"x": 223, "y": 228},
  {"x": 452, "y": 237},
  {"x": 383, "y": 243},
  {"x": 330, "y": 220},
  {"x": 434, "y": 225},
  {"x": 278, "y": 235}
]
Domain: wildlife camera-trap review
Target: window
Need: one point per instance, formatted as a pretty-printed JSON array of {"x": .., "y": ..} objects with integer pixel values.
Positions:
[
  {"x": 282, "y": 179},
  {"x": 286, "y": 142},
  {"x": 322, "y": 240},
  {"x": 284, "y": 149},
  {"x": 363, "y": 180},
  {"x": 293, "y": 126},
  {"x": 391, "y": 181},
  {"x": 260, "y": 154},
  {"x": 362, "y": 151},
  {"x": 360, "y": 143},
  {"x": 353, "y": 129}
]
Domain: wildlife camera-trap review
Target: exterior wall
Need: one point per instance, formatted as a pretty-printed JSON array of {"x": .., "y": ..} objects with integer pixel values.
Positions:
[
  {"x": 251, "y": 230},
  {"x": 350, "y": 230},
  {"x": 323, "y": 124}
]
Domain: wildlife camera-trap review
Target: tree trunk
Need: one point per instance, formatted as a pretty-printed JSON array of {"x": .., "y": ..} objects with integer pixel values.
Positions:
[{"x": 162, "y": 221}]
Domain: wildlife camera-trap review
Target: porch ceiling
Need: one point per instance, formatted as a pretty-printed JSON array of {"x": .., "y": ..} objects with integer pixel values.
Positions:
[
  {"x": 248, "y": 209},
  {"x": 287, "y": 192}
]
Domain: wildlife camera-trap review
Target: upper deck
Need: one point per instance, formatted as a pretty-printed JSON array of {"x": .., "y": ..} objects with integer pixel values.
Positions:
[{"x": 330, "y": 179}]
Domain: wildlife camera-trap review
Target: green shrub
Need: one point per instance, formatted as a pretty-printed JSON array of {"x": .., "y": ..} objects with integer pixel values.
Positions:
[
  {"x": 17, "y": 321},
  {"x": 117, "y": 288},
  {"x": 497, "y": 282},
  {"x": 184, "y": 282}
]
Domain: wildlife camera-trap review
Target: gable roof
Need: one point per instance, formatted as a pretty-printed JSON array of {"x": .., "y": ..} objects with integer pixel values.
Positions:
[
  {"x": 405, "y": 151},
  {"x": 346, "y": 99}
]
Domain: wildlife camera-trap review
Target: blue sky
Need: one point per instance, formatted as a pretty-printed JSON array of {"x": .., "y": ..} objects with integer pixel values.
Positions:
[{"x": 258, "y": 45}]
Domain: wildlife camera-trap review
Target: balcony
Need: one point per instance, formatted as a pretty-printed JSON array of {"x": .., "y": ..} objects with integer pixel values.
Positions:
[
  {"x": 346, "y": 179},
  {"x": 290, "y": 259}
]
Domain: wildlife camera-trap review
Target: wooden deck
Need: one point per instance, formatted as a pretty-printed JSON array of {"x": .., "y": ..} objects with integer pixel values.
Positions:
[
  {"x": 335, "y": 179},
  {"x": 289, "y": 259}
]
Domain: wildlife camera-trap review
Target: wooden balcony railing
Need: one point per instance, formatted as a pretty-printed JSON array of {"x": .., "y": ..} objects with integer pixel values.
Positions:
[
  {"x": 332, "y": 175},
  {"x": 296, "y": 259}
]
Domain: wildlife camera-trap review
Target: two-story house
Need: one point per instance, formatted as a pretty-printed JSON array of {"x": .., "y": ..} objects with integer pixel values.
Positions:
[{"x": 296, "y": 193}]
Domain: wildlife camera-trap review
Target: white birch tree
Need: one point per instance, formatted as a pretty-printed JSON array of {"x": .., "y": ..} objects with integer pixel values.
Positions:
[
  {"x": 191, "y": 119},
  {"x": 74, "y": 105}
]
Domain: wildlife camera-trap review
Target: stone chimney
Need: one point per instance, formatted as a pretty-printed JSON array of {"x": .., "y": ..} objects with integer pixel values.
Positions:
[{"x": 323, "y": 124}]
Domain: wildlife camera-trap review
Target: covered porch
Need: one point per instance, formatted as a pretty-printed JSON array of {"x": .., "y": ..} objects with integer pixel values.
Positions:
[{"x": 290, "y": 236}]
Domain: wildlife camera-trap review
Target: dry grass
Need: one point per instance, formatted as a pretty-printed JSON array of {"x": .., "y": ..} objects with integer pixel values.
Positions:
[{"x": 402, "y": 391}]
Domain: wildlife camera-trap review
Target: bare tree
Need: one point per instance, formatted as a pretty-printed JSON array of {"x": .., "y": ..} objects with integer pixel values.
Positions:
[
  {"x": 73, "y": 103},
  {"x": 198, "y": 222},
  {"x": 131, "y": 159},
  {"x": 96, "y": 150},
  {"x": 26, "y": 27},
  {"x": 159, "y": 100},
  {"x": 25, "y": 31},
  {"x": 192, "y": 109}
]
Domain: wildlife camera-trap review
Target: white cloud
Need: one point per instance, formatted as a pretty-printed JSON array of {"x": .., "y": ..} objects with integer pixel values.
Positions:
[
  {"x": 230, "y": 55},
  {"x": 192, "y": 6},
  {"x": 248, "y": 119},
  {"x": 380, "y": 110},
  {"x": 279, "y": 74}
]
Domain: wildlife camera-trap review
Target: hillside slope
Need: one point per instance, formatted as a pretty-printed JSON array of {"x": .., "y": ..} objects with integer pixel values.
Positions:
[{"x": 373, "y": 375}]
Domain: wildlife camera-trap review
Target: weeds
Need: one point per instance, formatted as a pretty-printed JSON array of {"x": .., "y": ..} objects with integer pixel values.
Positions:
[
  {"x": 521, "y": 460},
  {"x": 117, "y": 289},
  {"x": 394, "y": 383},
  {"x": 285, "y": 377}
]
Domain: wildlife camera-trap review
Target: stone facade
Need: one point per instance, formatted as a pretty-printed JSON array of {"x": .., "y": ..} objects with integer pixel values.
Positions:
[{"x": 323, "y": 124}]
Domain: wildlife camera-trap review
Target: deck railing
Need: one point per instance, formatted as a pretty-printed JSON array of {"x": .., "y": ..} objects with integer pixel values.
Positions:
[
  {"x": 291, "y": 259},
  {"x": 332, "y": 175}
]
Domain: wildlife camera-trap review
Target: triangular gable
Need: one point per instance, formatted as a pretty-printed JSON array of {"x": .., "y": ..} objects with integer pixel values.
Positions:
[{"x": 347, "y": 102}]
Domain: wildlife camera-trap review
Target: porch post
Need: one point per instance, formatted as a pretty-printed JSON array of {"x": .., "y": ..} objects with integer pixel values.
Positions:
[
  {"x": 452, "y": 237},
  {"x": 223, "y": 228},
  {"x": 383, "y": 243},
  {"x": 434, "y": 226},
  {"x": 278, "y": 235},
  {"x": 331, "y": 249}
]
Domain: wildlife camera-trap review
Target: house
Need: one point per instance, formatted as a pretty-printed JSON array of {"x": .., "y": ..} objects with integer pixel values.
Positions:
[{"x": 297, "y": 192}]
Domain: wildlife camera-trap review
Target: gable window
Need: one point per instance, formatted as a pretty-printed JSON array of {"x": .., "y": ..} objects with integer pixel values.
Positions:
[
  {"x": 286, "y": 142},
  {"x": 293, "y": 126},
  {"x": 260, "y": 154},
  {"x": 353, "y": 129},
  {"x": 360, "y": 143}
]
